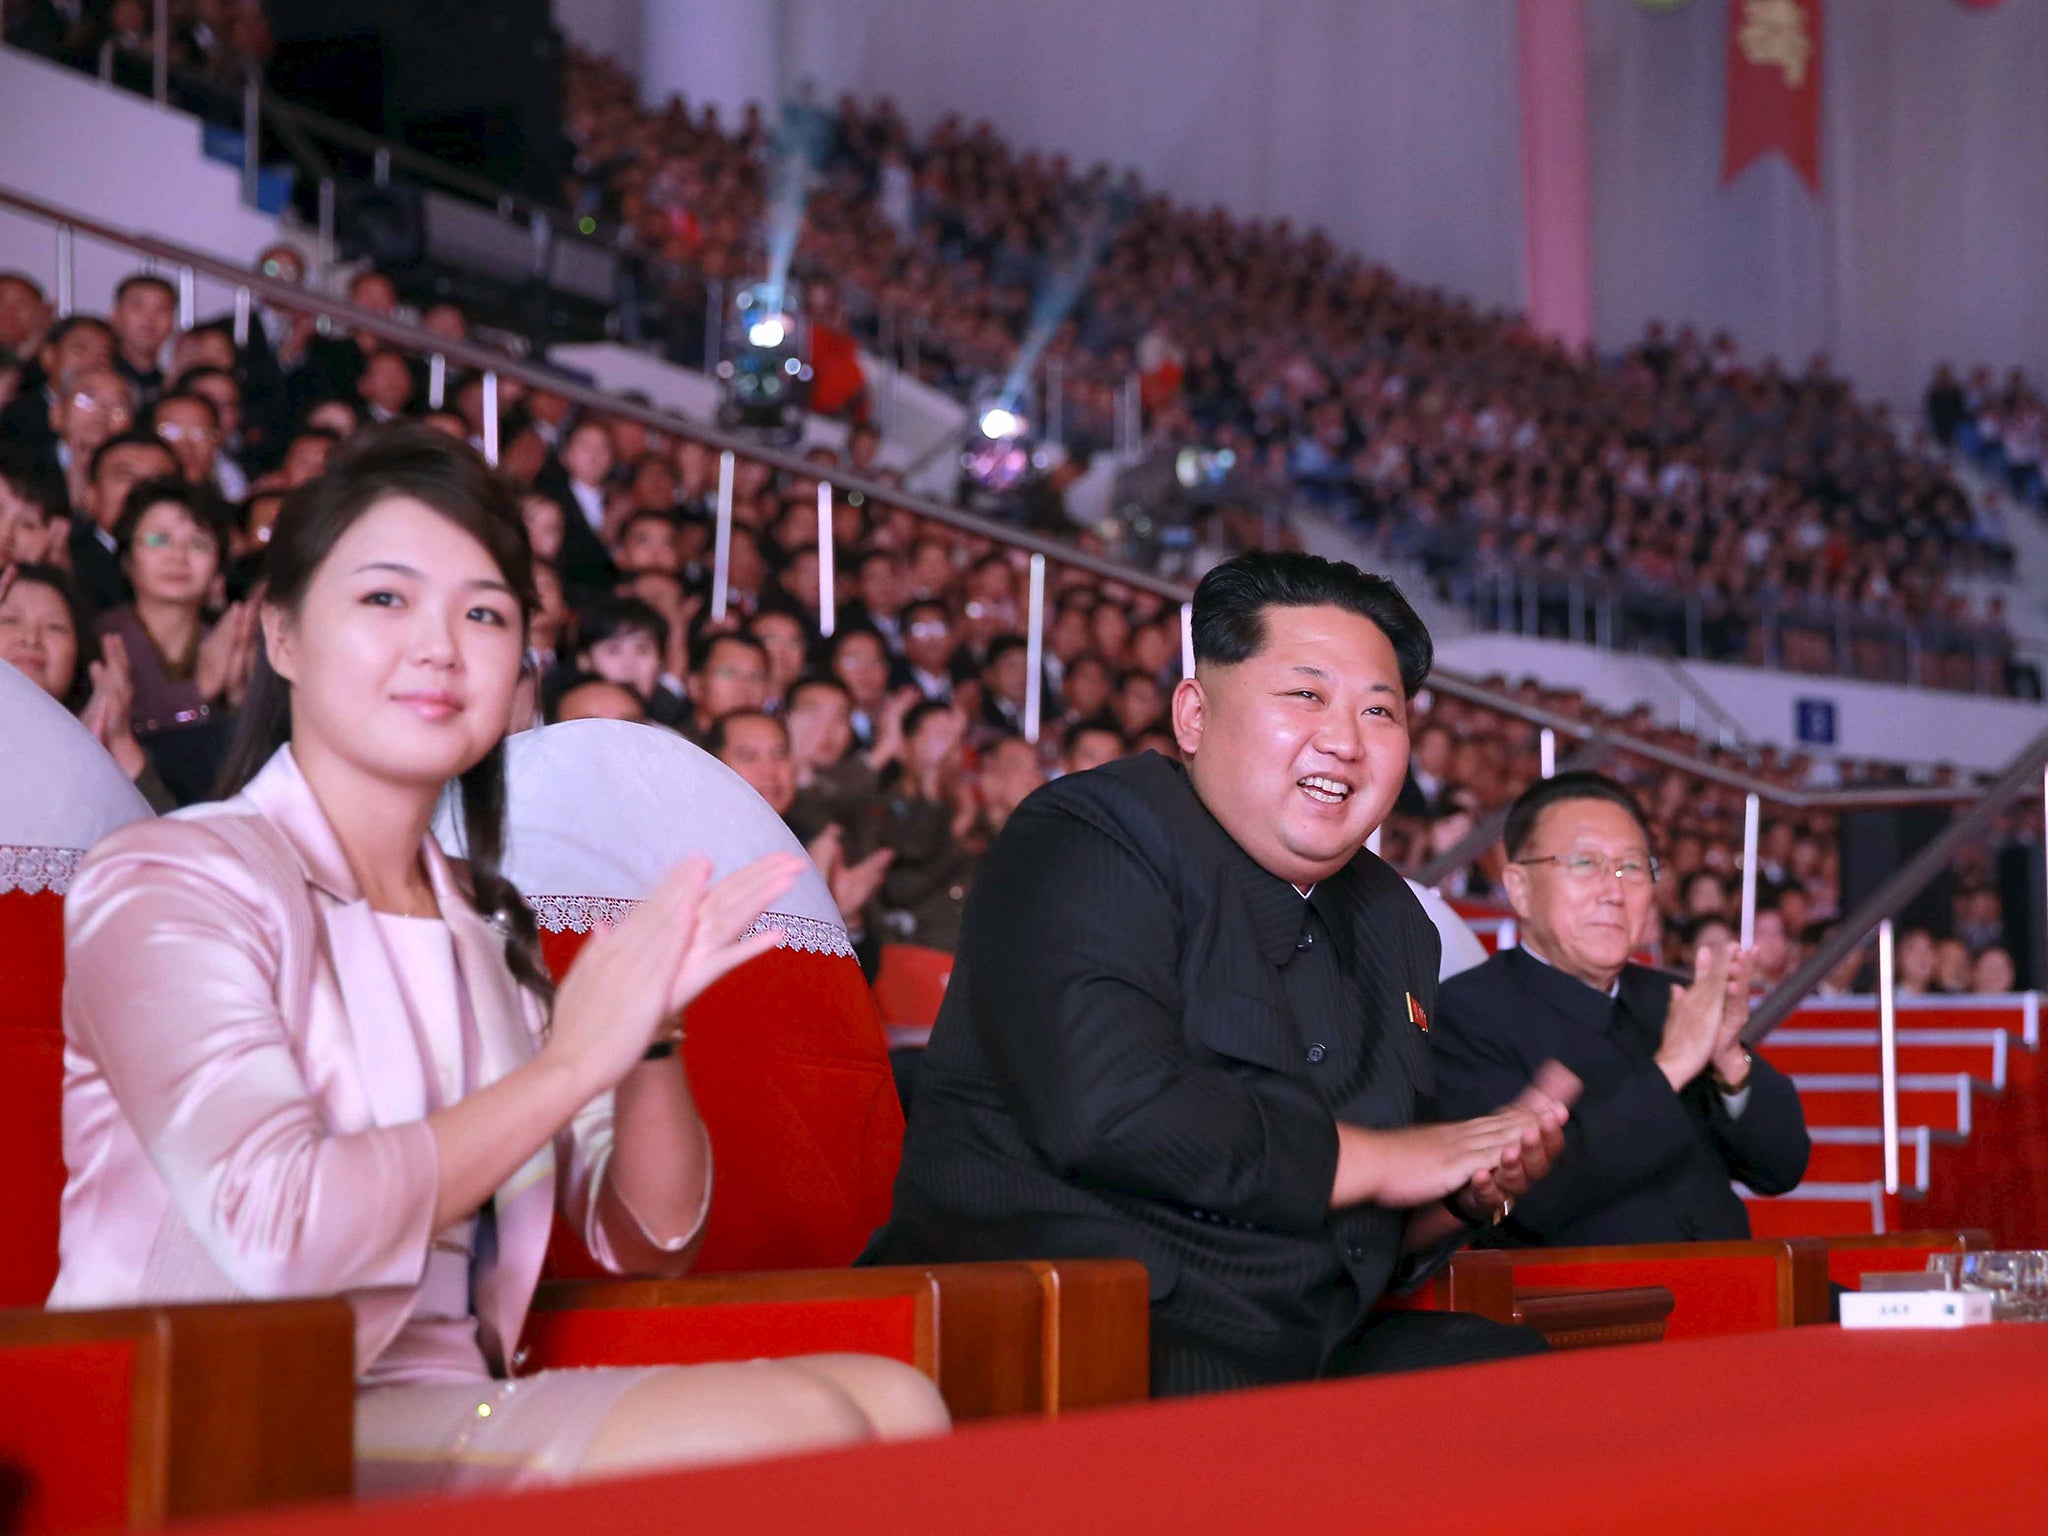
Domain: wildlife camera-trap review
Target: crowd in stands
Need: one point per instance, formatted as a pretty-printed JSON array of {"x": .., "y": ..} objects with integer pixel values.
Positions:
[
  {"x": 1718, "y": 505},
  {"x": 138, "y": 482},
  {"x": 2000, "y": 424},
  {"x": 213, "y": 40}
]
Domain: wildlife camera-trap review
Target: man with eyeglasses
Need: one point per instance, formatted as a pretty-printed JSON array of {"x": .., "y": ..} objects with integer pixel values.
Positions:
[{"x": 1675, "y": 1108}]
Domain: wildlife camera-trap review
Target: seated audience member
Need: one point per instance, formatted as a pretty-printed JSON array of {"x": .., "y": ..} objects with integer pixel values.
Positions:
[
  {"x": 647, "y": 542},
  {"x": 622, "y": 640},
  {"x": 1084, "y": 689},
  {"x": 755, "y": 745},
  {"x": 44, "y": 635},
  {"x": 1952, "y": 970},
  {"x": 731, "y": 673},
  {"x": 24, "y": 314},
  {"x": 189, "y": 425},
  {"x": 94, "y": 404},
  {"x": 1183, "y": 1024},
  {"x": 1913, "y": 963},
  {"x": 1674, "y": 1105},
  {"x": 1090, "y": 744},
  {"x": 118, "y": 466},
  {"x": 187, "y": 675},
  {"x": 861, "y": 662},
  {"x": 1010, "y": 774},
  {"x": 1005, "y": 677},
  {"x": 543, "y": 517},
  {"x": 1137, "y": 702},
  {"x": 1993, "y": 974},
  {"x": 576, "y": 480},
  {"x": 930, "y": 649},
  {"x": 786, "y": 640},
  {"x": 220, "y": 387},
  {"x": 586, "y": 696},
  {"x": 222, "y": 1140},
  {"x": 386, "y": 386},
  {"x": 33, "y": 527},
  {"x": 145, "y": 314},
  {"x": 70, "y": 344}
]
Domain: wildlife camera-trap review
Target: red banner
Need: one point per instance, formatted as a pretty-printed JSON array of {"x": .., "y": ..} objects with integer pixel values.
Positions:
[{"x": 1774, "y": 65}]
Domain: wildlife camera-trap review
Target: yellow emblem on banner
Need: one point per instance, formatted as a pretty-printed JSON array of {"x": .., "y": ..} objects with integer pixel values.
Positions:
[{"x": 1774, "y": 36}]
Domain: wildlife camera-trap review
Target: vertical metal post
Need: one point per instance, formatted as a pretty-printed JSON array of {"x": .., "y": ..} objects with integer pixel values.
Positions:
[
  {"x": 721, "y": 546},
  {"x": 1546, "y": 752},
  {"x": 437, "y": 381},
  {"x": 491, "y": 418},
  {"x": 1055, "y": 398},
  {"x": 1187, "y": 639},
  {"x": 1752, "y": 816},
  {"x": 1888, "y": 1055},
  {"x": 714, "y": 322},
  {"x": 160, "y": 50},
  {"x": 252, "y": 138},
  {"x": 1695, "y": 628},
  {"x": 241, "y": 317},
  {"x": 323, "y": 250},
  {"x": 380, "y": 168},
  {"x": 67, "y": 270},
  {"x": 1575, "y": 613},
  {"x": 188, "y": 299},
  {"x": 1034, "y": 650},
  {"x": 828, "y": 598}
]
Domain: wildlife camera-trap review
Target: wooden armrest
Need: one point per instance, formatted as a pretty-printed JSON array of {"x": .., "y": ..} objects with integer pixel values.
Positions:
[
  {"x": 1583, "y": 1319},
  {"x": 1097, "y": 1332},
  {"x": 229, "y": 1406},
  {"x": 1717, "y": 1288},
  {"x": 1845, "y": 1260}
]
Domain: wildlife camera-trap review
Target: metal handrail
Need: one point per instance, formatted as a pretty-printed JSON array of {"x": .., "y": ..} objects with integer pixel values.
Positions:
[
  {"x": 2023, "y": 773},
  {"x": 496, "y": 365}
]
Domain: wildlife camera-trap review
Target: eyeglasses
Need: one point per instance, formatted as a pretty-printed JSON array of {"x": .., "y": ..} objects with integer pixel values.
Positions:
[
  {"x": 196, "y": 544},
  {"x": 92, "y": 405},
  {"x": 1587, "y": 868},
  {"x": 171, "y": 432},
  {"x": 927, "y": 630}
]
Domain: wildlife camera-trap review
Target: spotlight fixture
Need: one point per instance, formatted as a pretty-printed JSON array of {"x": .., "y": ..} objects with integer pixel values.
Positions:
[
  {"x": 765, "y": 377},
  {"x": 1001, "y": 455}
]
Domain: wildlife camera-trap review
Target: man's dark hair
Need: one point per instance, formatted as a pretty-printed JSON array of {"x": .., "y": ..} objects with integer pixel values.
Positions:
[
  {"x": 716, "y": 739},
  {"x": 645, "y": 515},
  {"x": 137, "y": 438},
  {"x": 707, "y": 647},
  {"x": 33, "y": 480},
  {"x": 199, "y": 372},
  {"x": 810, "y": 682},
  {"x": 135, "y": 280},
  {"x": 918, "y": 713},
  {"x": 556, "y": 689},
  {"x": 199, "y": 503},
  {"x": 1089, "y": 727},
  {"x": 63, "y": 328},
  {"x": 1001, "y": 646},
  {"x": 1544, "y": 793},
  {"x": 1231, "y": 604},
  {"x": 189, "y": 398},
  {"x": 610, "y": 616},
  {"x": 924, "y": 605}
]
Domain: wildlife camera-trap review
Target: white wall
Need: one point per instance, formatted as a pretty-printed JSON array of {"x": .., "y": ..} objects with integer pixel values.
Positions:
[
  {"x": 119, "y": 159},
  {"x": 1893, "y": 724}
]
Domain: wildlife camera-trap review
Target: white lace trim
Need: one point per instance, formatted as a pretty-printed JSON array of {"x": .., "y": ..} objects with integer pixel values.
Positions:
[
  {"x": 581, "y": 914},
  {"x": 38, "y": 869}
]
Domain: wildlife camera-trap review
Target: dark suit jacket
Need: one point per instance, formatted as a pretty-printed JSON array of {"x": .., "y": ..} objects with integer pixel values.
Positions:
[
  {"x": 1116, "y": 1072},
  {"x": 587, "y": 570},
  {"x": 1642, "y": 1164},
  {"x": 96, "y": 570}
]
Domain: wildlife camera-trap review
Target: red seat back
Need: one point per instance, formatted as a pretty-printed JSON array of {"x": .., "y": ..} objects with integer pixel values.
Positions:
[
  {"x": 911, "y": 984},
  {"x": 32, "y": 1153},
  {"x": 68, "y": 1419},
  {"x": 31, "y": 960},
  {"x": 789, "y": 1069}
]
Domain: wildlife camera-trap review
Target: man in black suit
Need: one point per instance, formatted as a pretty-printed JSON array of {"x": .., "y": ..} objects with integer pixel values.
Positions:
[
  {"x": 1186, "y": 1021},
  {"x": 1674, "y": 1106}
]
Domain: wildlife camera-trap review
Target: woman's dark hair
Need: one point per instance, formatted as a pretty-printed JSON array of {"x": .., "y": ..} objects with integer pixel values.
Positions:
[
  {"x": 1231, "y": 604},
  {"x": 1544, "y": 793},
  {"x": 403, "y": 459},
  {"x": 608, "y": 617},
  {"x": 50, "y": 576},
  {"x": 198, "y": 503}
]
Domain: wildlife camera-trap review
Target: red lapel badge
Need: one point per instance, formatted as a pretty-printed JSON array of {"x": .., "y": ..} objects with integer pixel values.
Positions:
[{"x": 1415, "y": 1014}]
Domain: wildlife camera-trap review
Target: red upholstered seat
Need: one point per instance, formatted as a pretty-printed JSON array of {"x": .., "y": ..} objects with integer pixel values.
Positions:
[
  {"x": 32, "y": 1153},
  {"x": 1716, "y": 1288},
  {"x": 790, "y": 1072},
  {"x": 66, "y": 1413},
  {"x": 911, "y": 984},
  {"x": 31, "y": 960}
]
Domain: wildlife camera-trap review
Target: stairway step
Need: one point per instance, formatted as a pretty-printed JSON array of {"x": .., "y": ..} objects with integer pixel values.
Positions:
[
  {"x": 1940, "y": 1101},
  {"x": 2018, "y": 1014},
  {"x": 1855, "y": 1155},
  {"x": 1978, "y": 1053}
]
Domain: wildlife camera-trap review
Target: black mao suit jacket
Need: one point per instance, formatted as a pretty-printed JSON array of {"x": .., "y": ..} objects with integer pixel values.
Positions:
[
  {"x": 1117, "y": 1072},
  {"x": 1642, "y": 1164}
]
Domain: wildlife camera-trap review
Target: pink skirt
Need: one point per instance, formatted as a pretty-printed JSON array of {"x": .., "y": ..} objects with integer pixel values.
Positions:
[{"x": 488, "y": 1434}]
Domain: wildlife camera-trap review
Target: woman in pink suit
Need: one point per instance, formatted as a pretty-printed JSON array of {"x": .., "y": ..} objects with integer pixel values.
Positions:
[{"x": 306, "y": 1053}]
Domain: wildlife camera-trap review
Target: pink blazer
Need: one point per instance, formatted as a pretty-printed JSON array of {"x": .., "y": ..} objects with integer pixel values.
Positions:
[{"x": 244, "y": 1102}]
